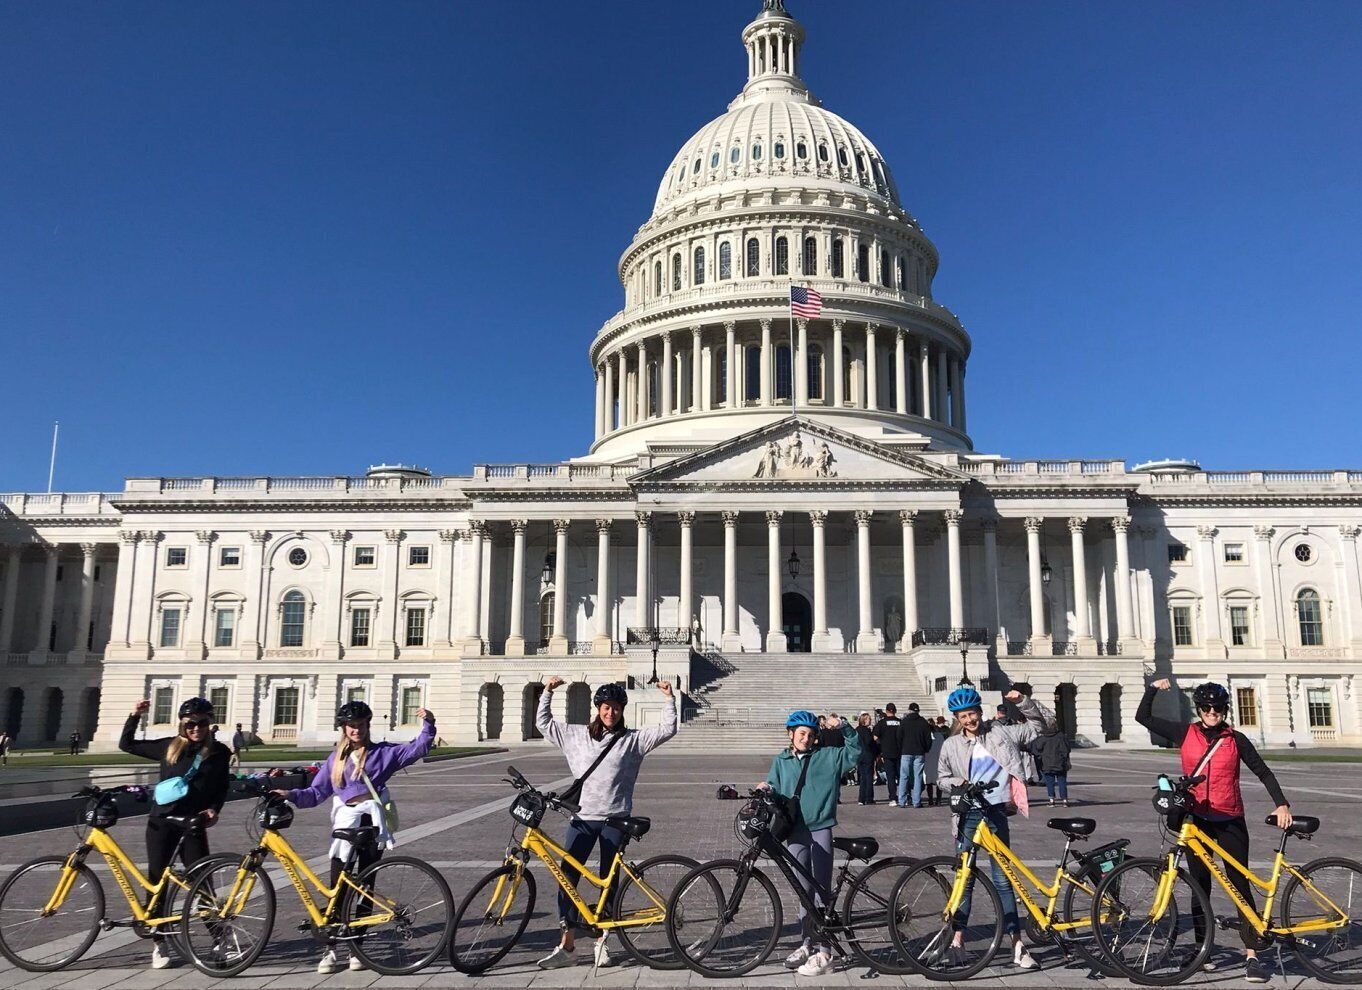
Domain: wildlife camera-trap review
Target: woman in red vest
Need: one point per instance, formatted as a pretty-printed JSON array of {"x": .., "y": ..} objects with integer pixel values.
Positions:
[{"x": 1212, "y": 749}]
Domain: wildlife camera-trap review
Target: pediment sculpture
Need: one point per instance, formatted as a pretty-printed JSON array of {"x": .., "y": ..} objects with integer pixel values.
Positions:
[{"x": 789, "y": 459}]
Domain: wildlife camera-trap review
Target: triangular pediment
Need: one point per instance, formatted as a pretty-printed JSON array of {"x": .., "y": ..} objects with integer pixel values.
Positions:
[{"x": 798, "y": 451}]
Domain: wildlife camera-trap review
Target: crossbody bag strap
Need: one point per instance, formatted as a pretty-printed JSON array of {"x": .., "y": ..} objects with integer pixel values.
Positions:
[
  {"x": 803, "y": 773},
  {"x": 193, "y": 767},
  {"x": 1206, "y": 756},
  {"x": 576, "y": 787}
]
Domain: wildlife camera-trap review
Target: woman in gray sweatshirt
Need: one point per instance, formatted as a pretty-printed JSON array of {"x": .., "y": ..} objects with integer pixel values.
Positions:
[{"x": 608, "y": 792}]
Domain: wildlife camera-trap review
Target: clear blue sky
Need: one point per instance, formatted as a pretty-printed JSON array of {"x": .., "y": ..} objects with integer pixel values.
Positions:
[{"x": 303, "y": 237}]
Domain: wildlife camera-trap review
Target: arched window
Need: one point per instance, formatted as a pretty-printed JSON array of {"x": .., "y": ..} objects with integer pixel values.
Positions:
[
  {"x": 822, "y": 152},
  {"x": 714, "y": 160},
  {"x": 863, "y": 263},
  {"x": 782, "y": 256},
  {"x": 756, "y": 152},
  {"x": 546, "y": 617},
  {"x": 725, "y": 260},
  {"x": 292, "y": 619},
  {"x": 778, "y": 149},
  {"x": 734, "y": 154},
  {"x": 676, "y": 273},
  {"x": 810, "y": 256},
  {"x": 886, "y": 269},
  {"x": 784, "y": 387},
  {"x": 696, "y": 167},
  {"x": 654, "y": 388},
  {"x": 838, "y": 261},
  {"x": 842, "y": 156},
  {"x": 1310, "y": 617},
  {"x": 846, "y": 376},
  {"x": 657, "y": 278},
  {"x": 698, "y": 276},
  {"x": 751, "y": 373},
  {"x": 860, "y": 163},
  {"x": 721, "y": 377},
  {"x": 815, "y": 371},
  {"x": 802, "y": 151},
  {"x": 901, "y": 273},
  {"x": 753, "y": 258}
]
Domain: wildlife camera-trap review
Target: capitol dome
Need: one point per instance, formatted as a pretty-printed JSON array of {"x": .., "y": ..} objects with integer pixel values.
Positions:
[{"x": 777, "y": 192}]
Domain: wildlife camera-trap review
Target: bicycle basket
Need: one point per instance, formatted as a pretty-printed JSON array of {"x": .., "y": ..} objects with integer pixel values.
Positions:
[{"x": 528, "y": 809}]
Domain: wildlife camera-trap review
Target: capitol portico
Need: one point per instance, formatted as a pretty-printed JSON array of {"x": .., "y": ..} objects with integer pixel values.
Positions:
[{"x": 773, "y": 512}]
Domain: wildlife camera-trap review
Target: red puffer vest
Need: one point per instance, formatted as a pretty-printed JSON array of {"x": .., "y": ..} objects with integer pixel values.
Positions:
[{"x": 1219, "y": 793}]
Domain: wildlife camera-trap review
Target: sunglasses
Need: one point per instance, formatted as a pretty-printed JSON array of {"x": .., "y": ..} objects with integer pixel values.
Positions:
[
  {"x": 202, "y": 723},
  {"x": 1218, "y": 709}
]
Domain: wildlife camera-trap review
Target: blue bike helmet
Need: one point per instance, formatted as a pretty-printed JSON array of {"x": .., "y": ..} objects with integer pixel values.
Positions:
[
  {"x": 807, "y": 719},
  {"x": 963, "y": 699}
]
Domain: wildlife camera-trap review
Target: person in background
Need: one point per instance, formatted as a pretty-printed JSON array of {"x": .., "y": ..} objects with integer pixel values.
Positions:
[
  {"x": 932, "y": 793},
  {"x": 828, "y": 736},
  {"x": 5, "y": 740},
  {"x": 1050, "y": 750},
  {"x": 915, "y": 737},
  {"x": 239, "y": 744},
  {"x": 887, "y": 737},
  {"x": 75, "y": 743},
  {"x": 865, "y": 764}
]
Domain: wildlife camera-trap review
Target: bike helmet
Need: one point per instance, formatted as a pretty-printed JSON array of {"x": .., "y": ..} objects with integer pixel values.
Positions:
[
  {"x": 275, "y": 815},
  {"x": 196, "y": 706},
  {"x": 354, "y": 711},
  {"x": 962, "y": 699},
  {"x": 611, "y": 693},
  {"x": 807, "y": 719},
  {"x": 1211, "y": 695}
]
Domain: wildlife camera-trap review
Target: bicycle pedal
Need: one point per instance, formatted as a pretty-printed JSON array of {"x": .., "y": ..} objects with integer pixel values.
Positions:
[
  {"x": 1227, "y": 922},
  {"x": 304, "y": 927}
]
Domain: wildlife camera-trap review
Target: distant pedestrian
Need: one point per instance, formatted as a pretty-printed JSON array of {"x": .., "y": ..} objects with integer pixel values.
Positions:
[
  {"x": 865, "y": 765},
  {"x": 241, "y": 742},
  {"x": 891, "y": 748},
  {"x": 931, "y": 792},
  {"x": 915, "y": 737},
  {"x": 1051, "y": 751},
  {"x": 75, "y": 742},
  {"x": 5, "y": 740}
]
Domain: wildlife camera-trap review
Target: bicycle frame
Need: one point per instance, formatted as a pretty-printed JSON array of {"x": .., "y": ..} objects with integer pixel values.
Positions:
[
  {"x": 122, "y": 869},
  {"x": 795, "y": 872},
  {"x": 1193, "y": 840}
]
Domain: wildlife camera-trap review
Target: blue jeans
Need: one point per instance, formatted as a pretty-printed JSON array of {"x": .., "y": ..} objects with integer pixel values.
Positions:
[
  {"x": 997, "y": 820},
  {"x": 581, "y": 838},
  {"x": 910, "y": 777},
  {"x": 1056, "y": 782}
]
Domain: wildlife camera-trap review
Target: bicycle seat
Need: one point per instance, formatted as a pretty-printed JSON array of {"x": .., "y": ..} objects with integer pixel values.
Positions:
[
  {"x": 864, "y": 847},
  {"x": 1073, "y": 826},
  {"x": 1300, "y": 824},
  {"x": 359, "y": 835},
  {"x": 188, "y": 823},
  {"x": 635, "y": 828}
]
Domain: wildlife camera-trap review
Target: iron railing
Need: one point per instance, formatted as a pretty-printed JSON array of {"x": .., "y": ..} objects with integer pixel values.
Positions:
[
  {"x": 944, "y": 636},
  {"x": 648, "y": 635}
]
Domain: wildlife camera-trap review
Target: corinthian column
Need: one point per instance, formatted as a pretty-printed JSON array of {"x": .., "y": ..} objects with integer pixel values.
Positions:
[
  {"x": 867, "y": 640},
  {"x": 872, "y": 400},
  {"x": 665, "y": 406},
  {"x": 799, "y": 364},
  {"x": 685, "y": 612},
  {"x": 732, "y": 641},
  {"x": 900, "y": 375},
  {"x": 515, "y": 638},
  {"x": 697, "y": 370},
  {"x": 907, "y": 517},
  {"x": 11, "y": 593},
  {"x": 731, "y": 372},
  {"x": 821, "y": 640},
  {"x": 1125, "y": 622},
  {"x": 838, "y": 392},
  {"x": 925, "y": 366},
  {"x": 87, "y": 597},
  {"x": 775, "y": 634},
  {"x": 953, "y": 517},
  {"x": 767, "y": 392},
  {"x": 1039, "y": 642},
  {"x": 642, "y": 600},
  {"x": 1082, "y": 623},
  {"x": 600, "y": 645},
  {"x": 558, "y": 643},
  {"x": 44, "y": 631}
]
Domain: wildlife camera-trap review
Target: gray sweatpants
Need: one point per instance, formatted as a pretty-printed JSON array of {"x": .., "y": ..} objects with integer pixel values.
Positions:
[{"x": 814, "y": 851}]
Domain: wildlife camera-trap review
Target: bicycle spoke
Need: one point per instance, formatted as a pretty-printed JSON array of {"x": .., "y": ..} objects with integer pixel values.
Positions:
[
  {"x": 716, "y": 933},
  {"x": 1333, "y": 887},
  {"x": 36, "y": 941},
  {"x": 1144, "y": 946}
]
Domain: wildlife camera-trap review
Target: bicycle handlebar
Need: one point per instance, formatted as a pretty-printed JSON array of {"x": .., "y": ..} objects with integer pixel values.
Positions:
[
  {"x": 137, "y": 792},
  {"x": 517, "y": 780}
]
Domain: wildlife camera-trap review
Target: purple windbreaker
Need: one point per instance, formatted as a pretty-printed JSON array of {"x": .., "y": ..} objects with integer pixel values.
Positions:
[{"x": 383, "y": 760}]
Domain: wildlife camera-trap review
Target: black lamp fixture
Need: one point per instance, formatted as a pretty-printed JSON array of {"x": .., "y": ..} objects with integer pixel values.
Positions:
[
  {"x": 547, "y": 575},
  {"x": 656, "y": 644},
  {"x": 1045, "y": 572},
  {"x": 792, "y": 565},
  {"x": 964, "y": 665}
]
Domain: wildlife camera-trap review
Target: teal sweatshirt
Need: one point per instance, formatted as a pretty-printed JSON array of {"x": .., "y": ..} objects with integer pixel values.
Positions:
[{"x": 818, "y": 800}]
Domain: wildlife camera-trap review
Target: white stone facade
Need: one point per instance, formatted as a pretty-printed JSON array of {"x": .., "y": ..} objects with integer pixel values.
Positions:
[{"x": 713, "y": 462}]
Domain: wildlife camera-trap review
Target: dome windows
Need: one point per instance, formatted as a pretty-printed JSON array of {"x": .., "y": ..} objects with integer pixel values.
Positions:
[
  {"x": 802, "y": 151},
  {"x": 699, "y": 268},
  {"x": 782, "y": 256},
  {"x": 810, "y": 256},
  {"x": 657, "y": 278},
  {"x": 842, "y": 156},
  {"x": 695, "y": 169},
  {"x": 860, "y": 163},
  {"x": 714, "y": 160},
  {"x": 756, "y": 152},
  {"x": 734, "y": 154},
  {"x": 725, "y": 261},
  {"x": 838, "y": 259},
  {"x": 676, "y": 273},
  {"x": 822, "y": 152},
  {"x": 753, "y": 266},
  {"x": 778, "y": 149}
]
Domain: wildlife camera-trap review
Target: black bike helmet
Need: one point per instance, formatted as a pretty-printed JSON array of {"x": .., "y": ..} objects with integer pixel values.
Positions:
[
  {"x": 1211, "y": 695},
  {"x": 354, "y": 711},
  {"x": 611, "y": 692},
  {"x": 196, "y": 706},
  {"x": 274, "y": 815}
]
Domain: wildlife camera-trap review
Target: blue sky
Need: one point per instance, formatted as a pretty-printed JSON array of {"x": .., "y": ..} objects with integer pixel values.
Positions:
[{"x": 302, "y": 238}]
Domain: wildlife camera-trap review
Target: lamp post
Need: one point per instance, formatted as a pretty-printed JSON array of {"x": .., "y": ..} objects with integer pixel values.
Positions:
[
  {"x": 964, "y": 663},
  {"x": 656, "y": 644}
]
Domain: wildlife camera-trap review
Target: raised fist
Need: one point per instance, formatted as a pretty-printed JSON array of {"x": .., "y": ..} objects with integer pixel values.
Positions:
[{"x": 554, "y": 682}]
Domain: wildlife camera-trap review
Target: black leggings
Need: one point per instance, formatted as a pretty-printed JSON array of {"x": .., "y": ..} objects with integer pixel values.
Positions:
[
  {"x": 1233, "y": 837},
  {"x": 161, "y": 839}
]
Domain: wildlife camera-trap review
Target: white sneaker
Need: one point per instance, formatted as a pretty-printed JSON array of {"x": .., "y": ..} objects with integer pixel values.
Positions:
[
  {"x": 558, "y": 958},
  {"x": 600, "y": 956},
  {"x": 329, "y": 963},
  {"x": 355, "y": 964},
  {"x": 159, "y": 958},
  {"x": 1023, "y": 958},
  {"x": 818, "y": 964},
  {"x": 798, "y": 957}
]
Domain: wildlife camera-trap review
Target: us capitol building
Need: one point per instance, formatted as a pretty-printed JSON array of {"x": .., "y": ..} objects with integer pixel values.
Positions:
[{"x": 772, "y": 516}]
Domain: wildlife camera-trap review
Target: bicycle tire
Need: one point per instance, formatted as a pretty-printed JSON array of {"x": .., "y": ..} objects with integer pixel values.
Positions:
[
  {"x": 695, "y": 913},
  {"x": 1321, "y": 940},
  {"x": 940, "y": 874},
  {"x": 640, "y": 940},
  {"x": 89, "y": 884},
  {"x": 1122, "y": 887},
  {"x": 467, "y": 962},
  {"x": 1081, "y": 939},
  {"x": 881, "y": 955},
  {"x": 175, "y": 930},
  {"x": 234, "y": 960},
  {"x": 431, "y": 893}
]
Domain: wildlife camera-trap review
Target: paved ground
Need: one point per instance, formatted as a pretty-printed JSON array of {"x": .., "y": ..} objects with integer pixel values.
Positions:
[{"x": 454, "y": 815}]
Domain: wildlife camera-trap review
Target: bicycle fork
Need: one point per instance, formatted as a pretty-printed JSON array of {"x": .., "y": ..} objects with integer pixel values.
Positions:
[
  {"x": 1163, "y": 895},
  {"x": 65, "y": 882}
]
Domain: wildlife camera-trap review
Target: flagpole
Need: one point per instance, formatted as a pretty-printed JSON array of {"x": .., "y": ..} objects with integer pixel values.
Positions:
[
  {"x": 794, "y": 391},
  {"x": 52, "y": 464}
]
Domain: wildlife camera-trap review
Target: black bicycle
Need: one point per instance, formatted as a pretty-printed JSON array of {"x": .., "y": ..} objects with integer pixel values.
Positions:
[{"x": 724, "y": 917}]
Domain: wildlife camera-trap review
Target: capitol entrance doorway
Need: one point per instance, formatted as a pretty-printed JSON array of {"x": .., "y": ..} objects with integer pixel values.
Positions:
[{"x": 797, "y": 614}]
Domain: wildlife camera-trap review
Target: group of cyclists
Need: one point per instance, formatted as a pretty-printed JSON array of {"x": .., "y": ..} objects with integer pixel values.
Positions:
[{"x": 606, "y": 756}]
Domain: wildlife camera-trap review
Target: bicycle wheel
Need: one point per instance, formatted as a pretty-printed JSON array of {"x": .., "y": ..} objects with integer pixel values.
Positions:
[
  {"x": 865, "y": 913},
  {"x": 933, "y": 943},
  {"x": 225, "y": 926},
  {"x": 1334, "y": 956},
  {"x": 723, "y": 919},
  {"x": 1076, "y": 909},
  {"x": 423, "y": 914},
  {"x": 648, "y": 943},
  {"x": 1158, "y": 951},
  {"x": 174, "y": 896},
  {"x": 38, "y": 942},
  {"x": 491, "y": 919}
]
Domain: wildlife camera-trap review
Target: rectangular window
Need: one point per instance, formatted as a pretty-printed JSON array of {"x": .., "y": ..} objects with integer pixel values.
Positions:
[
  {"x": 1320, "y": 704},
  {"x": 224, "y": 627},
  {"x": 1177, "y": 553},
  {"x": 1234, "y": 553},
  {"x": 286, "y": 706},
  {"x": 364, "y": 556},
  {"x": 229, "y": 557},
  {"x": 1239, "y": 625},
  {"x": 418, "y": 556},
  {"x": 354, "y": 693},
  {"x": 1246, "y": 706},
  {"x": 416, "y": 627},
  {"x": 1182, "y": 625},
  {"x": 162, "y": 706},
  {"x": 411, "y": 701},
  {"x": 359, "y": 627},
  {"x": 177, "y": 556},
  {"x": 218, "y": 698},
  {"x": 170, "y": 627}
]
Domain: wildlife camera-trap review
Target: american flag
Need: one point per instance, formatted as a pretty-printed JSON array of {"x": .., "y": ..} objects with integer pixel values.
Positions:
[{"x": 804, "y": 302}]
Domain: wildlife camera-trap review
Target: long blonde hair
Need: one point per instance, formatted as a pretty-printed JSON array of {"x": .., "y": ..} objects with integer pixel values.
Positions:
[
  {"x": 344, "y": 748},
  {"x": 177, "y": 745}
]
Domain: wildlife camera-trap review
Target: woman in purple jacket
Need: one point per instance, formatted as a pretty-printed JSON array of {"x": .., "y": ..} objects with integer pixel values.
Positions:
[{"x": 355, "y": 777}]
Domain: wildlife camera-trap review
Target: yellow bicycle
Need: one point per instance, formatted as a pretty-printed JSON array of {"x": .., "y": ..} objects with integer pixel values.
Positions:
[
  {"x": 52, "y": 908},
  {"x": 947, "y": 915},
  {"x": 395, "y": 915},
  {"x": 1158, "y": 928},
  {"x": 632, "y": 901}
]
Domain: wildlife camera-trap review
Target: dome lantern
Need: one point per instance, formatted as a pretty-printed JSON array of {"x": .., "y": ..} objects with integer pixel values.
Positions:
[{"x": 773, "y": 41}]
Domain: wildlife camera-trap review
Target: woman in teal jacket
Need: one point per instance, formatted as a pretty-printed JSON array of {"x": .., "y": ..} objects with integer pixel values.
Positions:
[{"x": 811, "y": 842}]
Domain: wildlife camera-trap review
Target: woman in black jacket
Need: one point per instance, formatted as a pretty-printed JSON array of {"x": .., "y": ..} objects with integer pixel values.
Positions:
[
  {"x": 193, "y": 752},
  {"x": 1051, "y": 750}
]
